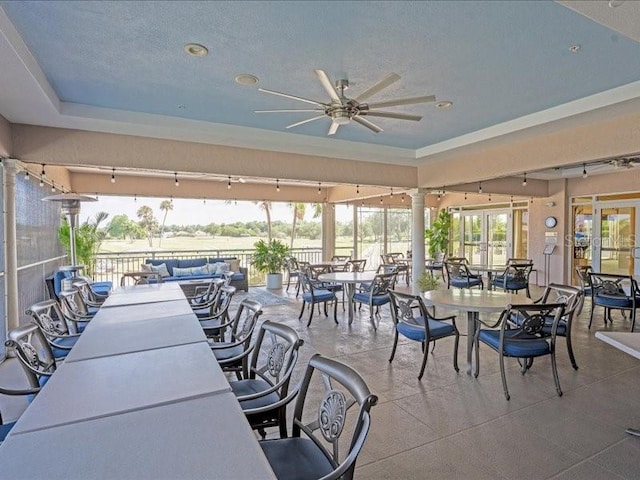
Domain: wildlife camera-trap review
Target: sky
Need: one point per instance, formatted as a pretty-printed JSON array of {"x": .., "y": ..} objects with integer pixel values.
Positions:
[{"x": 195, "y": 212}]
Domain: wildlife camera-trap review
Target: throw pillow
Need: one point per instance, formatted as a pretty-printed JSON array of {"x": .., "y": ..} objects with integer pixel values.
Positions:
[
  {"x": 222, "y": 268},
  {"x": 182, "y": 272},
  {"x": 161, "y": 269},
  {"x": 203, "y": 270},
  {"x": 234, "y": 264},
  {"x": 145, "y": 267}
]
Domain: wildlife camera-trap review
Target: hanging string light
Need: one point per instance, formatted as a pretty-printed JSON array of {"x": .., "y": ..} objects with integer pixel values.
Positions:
[
  {"x": 531, "y": 199},
  {"x": 42, "y": 176},
  {"x": 402, "y": 199},
  {"x": 175, "y": 175},
  {"x": 465, "y": 195},
  {"x": 358, "y": 189},
  {"x": 113, "y": 175},
  {"x": 229, "y": 183},
  {"x": 391, "y": 192},
  {"x": 524, "y": 180},
  {"x": 53, "y": 187},
  {"x": 26, "y": 175},
  {"x": 204, "y": 201},
  {"x": 380, "y": 200},
  {"x": 489, "y": 197},
  {"x": 135, "y": 197},
  {"x": 277, "y": 185},
  {"x": 584, "y": 170},
  {"x": 480, "y": 187},
  {"x": 319, "y": 188},
  {"x": 511, "y": 198}
]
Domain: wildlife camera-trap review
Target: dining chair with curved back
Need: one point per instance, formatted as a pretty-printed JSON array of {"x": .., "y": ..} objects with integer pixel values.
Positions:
[
  {"x": 614, "y": 292},
  {"x": 292, "y": 269},
  {"x": 314, "y": 449},
  {"x": 572, "y": 298},
  {"x": 203, "y": 300},
  {"x": 139, "y": 278},
  {"x": 458, "y": 275},
  {"x": 49, "y": 317},
  {"x": 264, "y": 394},
  {"x": 412, "y": 320},
  {"x": 341, "y": 258},
  {"x": 582, "y": 272},
  {"x": 214, "y": 324},
  {"x": 515, "y": 277},
  {"x": 33, "y": 352},
  {"x": 233, "y": 349},
  {"x": 77, "y": 313},
  {"x": 90, "y": 297},
  {"x": 376, "y": 295},
  {"x": 314, "y": 294},
  {"x": 531, "y": 339},
  {"x": 397, "y": 259}
]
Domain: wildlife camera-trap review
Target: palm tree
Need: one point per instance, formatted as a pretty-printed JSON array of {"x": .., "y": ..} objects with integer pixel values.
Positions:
[
  {"x": 88, "y": 236},
  {"x": 165, "y": 206},
  {"x": 298, "y": 215},
  {"x": 147, "y": 221},
  {"x": 266, "y": 206}
]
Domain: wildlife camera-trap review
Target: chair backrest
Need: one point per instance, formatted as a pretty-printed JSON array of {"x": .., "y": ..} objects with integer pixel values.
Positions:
[
  {"x": 583, "y": 275},
  {"x": 33, "y": 352},
  {"x": 533, "y": 321},
  {"x": 220, "y": 307},
  {"x": 341, "y": 258},
  {"x": 244, "y": 322},
  {"x": 458, "y": 260},
  {"x": 140, "y": 278},
  {"x": 613, "y": 286},
  {"x": 319, "y": 270},
  {"x": 387, "y": 258},
  {"x": 206, "y": 298},
  {"x": 407, "y": 308},
  {"x": 518, "y": 271},
  {"x": 49, "y": 317},
  {"x": 355, "y": 265},
  {"x": 72, "y": 304},
  {"x": 88, "y": 295},
  {"x": 291, "y": 264},
  {"x": 329, "y": 423},
  {"x": 386, "y": 268},
  {"x": 382, "y": 283},
  {"x": 572, "y": 297},
  {"x": 513, "y": 260},
  {"x": 274, "y": 355},
  {"x": 456, "y": 269}
]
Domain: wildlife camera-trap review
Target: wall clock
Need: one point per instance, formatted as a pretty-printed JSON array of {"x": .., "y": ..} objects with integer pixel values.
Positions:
[{"x": 550, "y": 222}]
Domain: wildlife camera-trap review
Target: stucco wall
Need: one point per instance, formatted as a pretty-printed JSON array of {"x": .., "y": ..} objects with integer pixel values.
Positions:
[{"x": 6, "y": 147}]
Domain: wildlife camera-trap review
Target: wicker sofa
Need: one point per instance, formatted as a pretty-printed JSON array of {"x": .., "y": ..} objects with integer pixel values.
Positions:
[{"x": 180, "y": 269}]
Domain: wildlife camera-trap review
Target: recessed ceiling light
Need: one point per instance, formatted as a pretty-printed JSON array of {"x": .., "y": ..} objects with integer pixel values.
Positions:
[
  {"x": 181, "y": 107},
  {"x": 574, "y": 48},
  {"x": 196, "y": 50},
  {"x": 444, "y": 104},
  {"x": 246, "y": 79}
]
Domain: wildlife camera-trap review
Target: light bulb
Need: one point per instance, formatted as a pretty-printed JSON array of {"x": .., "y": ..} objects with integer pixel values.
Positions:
[
  {"x": 480, "y": 187},
  {"x": 584, "y": 171},
  {"x": 113, "y": 176},
  {"x": 277, "y": 185},
  {"x": 175, "y": 175},
  {"x": 524, "y": 181},
  {"x": 229, "y": 184}
]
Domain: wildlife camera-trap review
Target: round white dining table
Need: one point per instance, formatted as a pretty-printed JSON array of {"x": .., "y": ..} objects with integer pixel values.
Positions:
[
  {"x": 473, "y": 302},
  {"x": 349, "y": 279}
]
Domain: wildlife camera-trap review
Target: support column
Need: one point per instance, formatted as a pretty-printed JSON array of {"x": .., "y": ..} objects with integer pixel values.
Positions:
[
  {"x": 417, "y": 238},
  {"x": 328, "y": 231},
  {"x": 12, "y": 308}
]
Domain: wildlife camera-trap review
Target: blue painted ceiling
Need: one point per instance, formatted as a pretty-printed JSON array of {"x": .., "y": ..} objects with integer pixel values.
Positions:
[{"x": 496, "y": 61}]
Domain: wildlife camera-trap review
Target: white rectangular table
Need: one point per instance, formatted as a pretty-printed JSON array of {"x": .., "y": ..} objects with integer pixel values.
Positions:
[
  {"x": 100, "y": 387},
  {"x": 144, "y": 311},
  {"x": 139, "y": 294},
  {"x": 196, "y": 438},
  {"x": 115, "y": 338},
  {"x": 629, "y": 343}
]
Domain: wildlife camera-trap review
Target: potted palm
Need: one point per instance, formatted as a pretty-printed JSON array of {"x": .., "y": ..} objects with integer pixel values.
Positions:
[{"x": 269, "y": 257}]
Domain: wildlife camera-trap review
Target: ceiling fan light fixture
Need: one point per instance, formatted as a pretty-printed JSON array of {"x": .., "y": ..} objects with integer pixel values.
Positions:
[
  {"x": 341, "y": 117},
  {"x": 444, "y": 104},
  {"x": 246, "y": 79}
]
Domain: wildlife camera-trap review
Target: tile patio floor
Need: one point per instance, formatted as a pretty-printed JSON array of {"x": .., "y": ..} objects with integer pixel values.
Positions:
[{"x": 452, "y": 426}]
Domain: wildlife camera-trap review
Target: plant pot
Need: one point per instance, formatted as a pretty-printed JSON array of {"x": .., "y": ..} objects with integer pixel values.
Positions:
[{"x": 274, "y": 281}]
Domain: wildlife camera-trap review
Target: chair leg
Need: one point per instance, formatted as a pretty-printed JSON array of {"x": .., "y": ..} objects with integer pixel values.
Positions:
[
  {"x": 504, "y": 378},
  {"x": 591, "y": 316},
  {"x": 434, "y": 346},
  {"x": 288, "y": 281},
  {"x": 302, "y": 310},
  {"x": 310, "y": 314},
  {"x": 572, "y": 357},
  {"x": 335, "y": 311},
  {"x": 425, "y": 357},
  {"x": 297, "y": 287},
  {"x": 282, "y": 423},
  {"x": 554, "y": 369},
  {"x": 263, "y": 433},
  {"x": 633, "y": 319},
  {"x": 395, "y": 344},
  {"x": 373, "y": 322},
  {"x": 455, "y": 352},
  {"x": 325, "y": 310},
  {"x": 476, "y": 348}
]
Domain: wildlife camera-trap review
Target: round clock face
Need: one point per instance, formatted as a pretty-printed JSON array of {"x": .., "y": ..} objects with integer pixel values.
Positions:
[{"x": 550, "y": 222}]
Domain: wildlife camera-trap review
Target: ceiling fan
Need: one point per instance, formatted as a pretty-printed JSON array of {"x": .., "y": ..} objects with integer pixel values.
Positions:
[
  {"x": 341, "y": 110},
  {"x": 625, "y": 162}
]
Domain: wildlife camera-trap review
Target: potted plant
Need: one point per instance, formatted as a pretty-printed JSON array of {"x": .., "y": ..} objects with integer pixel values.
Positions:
[
  {"x": 269, "y": 257},
  {"x": 428, "y": 281},
  {"x": 438, "y": 235}
]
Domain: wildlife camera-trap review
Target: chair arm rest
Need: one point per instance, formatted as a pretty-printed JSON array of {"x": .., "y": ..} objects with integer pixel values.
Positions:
[
  {"x": 235, "y": 359},
  {"x": 28, "y": 391},
  {"x": 443, "y": 319},
  {"x": 280, "y": 403},
  {"x": 55, "y": 335}
]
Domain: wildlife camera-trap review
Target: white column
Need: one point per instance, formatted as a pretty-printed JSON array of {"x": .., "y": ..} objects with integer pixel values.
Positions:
[
  {"x": 12, "y": 308},
  {"x": 417, "y": 238},
  {"x": 328, "y": 231}
]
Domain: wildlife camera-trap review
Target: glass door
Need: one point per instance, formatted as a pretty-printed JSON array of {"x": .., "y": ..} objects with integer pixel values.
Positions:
[
  {"x": 472, "y": 237},
  {"x": 498, "y": 238},
  {"x": 615, "y": 246},
  {"x": 486, "y": 237}
]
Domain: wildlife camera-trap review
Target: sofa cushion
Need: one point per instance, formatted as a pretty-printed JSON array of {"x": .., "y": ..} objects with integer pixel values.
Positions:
[
  {"x": 191, "y": 262},
  {"x": 169, "y": 262},
  {"x": 161, "y": 269},
  {"x": 182, "y": 272},
  {"x": 234, "y": 264}
]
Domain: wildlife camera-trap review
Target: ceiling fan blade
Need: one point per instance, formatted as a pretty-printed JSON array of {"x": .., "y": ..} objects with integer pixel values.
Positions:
[
  {"x": 328, "y": 86},
  {"x": 333, "y": 128},
  {"x": 367, "y": 123},
  {"x": 287, "y": 111},
  {"x": 399, "y": 116},
  {"x": 404, "y": 101},
  {"x": 306, "y": 121},
  {"x": 293, "y": 97},
  {"x": 381, "y": 85}
]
